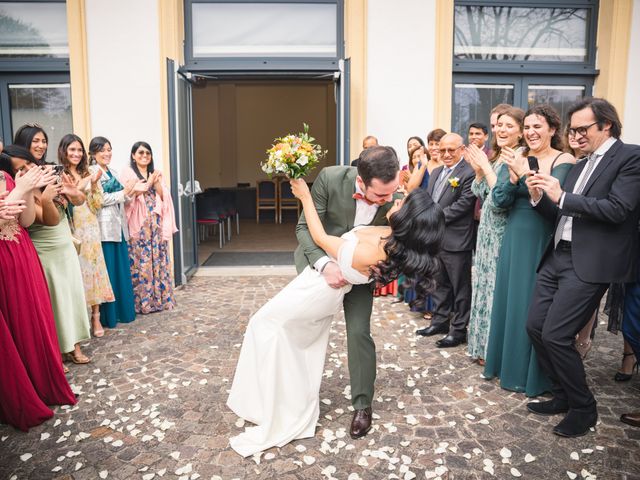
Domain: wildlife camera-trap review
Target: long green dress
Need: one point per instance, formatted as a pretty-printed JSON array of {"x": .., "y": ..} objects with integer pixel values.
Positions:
[
  {"x": 62, "y": 269},
  {"x": 493, "y": 221},
  {"x": 510, "y": 355}
]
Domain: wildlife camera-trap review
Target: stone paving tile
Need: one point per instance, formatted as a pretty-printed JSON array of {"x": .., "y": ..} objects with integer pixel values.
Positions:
[{"x": 152, "y": 406}]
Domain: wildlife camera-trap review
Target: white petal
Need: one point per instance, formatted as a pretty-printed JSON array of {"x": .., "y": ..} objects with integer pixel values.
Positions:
[{"x": 26, "y": 456}]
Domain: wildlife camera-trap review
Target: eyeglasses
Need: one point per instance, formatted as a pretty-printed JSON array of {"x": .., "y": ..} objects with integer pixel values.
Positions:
[
  {"x": 143, "y": 153},
  {"x": 581, "y": 130},
  {"x": 450, "y": 151}
]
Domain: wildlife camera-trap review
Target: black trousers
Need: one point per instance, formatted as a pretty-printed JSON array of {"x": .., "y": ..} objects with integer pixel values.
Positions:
[
  {"x": 452, "y": 297},
  {"x": 561, "y": 306}
]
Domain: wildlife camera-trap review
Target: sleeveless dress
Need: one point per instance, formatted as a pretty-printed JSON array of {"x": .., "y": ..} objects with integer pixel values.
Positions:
[
  {"x": 510, "y": 355},
  {"x": 62, "y": 269},
  {"x": 277, "y": 379},
  {"x": 31, "y": 375}
]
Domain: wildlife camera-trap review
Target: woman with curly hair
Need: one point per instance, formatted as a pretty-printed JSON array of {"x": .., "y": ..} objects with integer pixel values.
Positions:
[{"x": 288, "y": 336}]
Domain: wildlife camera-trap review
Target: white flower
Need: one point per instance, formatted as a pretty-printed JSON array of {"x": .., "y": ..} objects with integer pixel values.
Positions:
[{"x": 302, "y": 160}]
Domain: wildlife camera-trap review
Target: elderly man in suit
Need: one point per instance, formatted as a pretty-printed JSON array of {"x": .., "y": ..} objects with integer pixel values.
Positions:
[
  {"x": 344, "y": 198},
  {"x": 595, "y": 243},
  {"x": 450, "y": 186}
]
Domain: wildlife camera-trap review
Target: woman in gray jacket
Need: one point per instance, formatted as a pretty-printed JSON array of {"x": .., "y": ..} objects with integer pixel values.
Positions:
[{"x": 115, "y": 234}]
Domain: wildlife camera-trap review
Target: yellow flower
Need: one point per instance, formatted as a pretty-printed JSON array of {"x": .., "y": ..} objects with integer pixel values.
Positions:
[{"x": 454, "y": 182}]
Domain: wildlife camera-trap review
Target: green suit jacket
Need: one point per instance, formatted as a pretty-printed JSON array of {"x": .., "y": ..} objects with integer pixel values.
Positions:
[{"x": 332, "y": 194}]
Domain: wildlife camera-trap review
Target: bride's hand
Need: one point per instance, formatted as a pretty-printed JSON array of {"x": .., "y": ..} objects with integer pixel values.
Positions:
[{"x": 300, "y": 188}]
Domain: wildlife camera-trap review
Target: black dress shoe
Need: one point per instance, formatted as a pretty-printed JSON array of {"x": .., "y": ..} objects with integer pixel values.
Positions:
[
  {"x": 576, "y": 423},
  {"x": 550, "y": 407},
  {"x": 361, "y": 423},
  {"x": 632, "y": 418},
  {"x": 432, "y": 330},
  {"x": 449, "y": 341}
]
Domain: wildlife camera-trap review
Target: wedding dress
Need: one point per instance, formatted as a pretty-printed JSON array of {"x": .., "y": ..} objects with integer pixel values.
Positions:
[{"x": 277, "y": 379}]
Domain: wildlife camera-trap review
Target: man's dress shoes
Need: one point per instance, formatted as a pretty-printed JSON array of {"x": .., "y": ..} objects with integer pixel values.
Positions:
[
  {"x": 632, "y": 419},
  {"x": 449, "y": 341},
  {"x": 361, "y": 423},
  {"x": 432, "y": 330}
]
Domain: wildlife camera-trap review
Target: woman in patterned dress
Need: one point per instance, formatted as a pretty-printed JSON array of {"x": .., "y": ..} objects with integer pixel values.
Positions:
[
  {"x": 97, "y": 287},
  {"x": 151, "y": 224},
  {"x": 493, "y": 221}
]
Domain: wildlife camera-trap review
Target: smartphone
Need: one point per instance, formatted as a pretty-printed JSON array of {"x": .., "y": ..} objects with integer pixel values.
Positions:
[
  {"x": 533, "y": 163},
  {"x": 58, "y": 169}
]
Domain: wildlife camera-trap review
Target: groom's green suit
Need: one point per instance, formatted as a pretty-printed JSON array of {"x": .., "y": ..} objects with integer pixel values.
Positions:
[{"x": 332, "y": 194}]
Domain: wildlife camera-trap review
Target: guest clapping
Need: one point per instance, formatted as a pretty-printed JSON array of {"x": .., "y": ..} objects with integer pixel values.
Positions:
[
  {"x": 31, "y": 376},
  {"x": 509, "y": 351},
  {"x": 114, "y": 234},
  {"x": 151, "y": 225},
  {"x": 97, "y": 287}
]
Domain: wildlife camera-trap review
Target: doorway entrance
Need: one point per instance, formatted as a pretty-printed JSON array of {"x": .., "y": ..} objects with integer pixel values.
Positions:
[{"x": 234, "y": 122}]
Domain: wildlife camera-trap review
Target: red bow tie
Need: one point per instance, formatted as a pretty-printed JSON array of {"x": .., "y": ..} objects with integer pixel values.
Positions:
[{"x": 359, "y": 196}]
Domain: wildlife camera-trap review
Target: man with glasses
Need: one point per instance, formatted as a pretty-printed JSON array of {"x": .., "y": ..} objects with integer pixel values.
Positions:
[
  {"x": 450, "y": 186},
  {"x": 595, "y": 244}
]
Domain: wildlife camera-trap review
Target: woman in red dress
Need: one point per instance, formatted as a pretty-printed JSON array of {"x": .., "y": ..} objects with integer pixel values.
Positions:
[{"x": 32, "y": 375}]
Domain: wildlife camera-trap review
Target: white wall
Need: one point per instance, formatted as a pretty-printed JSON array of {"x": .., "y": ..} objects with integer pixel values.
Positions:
[
  {"x": 124, "y": 67},
  {"x": 400, "y": 71},
  {"x": 631, "y": 120}
]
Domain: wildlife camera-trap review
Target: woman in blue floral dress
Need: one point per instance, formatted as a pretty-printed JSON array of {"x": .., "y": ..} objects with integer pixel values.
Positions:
[{"x": 151, "y": 224}]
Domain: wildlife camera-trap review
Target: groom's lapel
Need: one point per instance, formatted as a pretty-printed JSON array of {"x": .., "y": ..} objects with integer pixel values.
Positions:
[{"x": 348, "y": 204}]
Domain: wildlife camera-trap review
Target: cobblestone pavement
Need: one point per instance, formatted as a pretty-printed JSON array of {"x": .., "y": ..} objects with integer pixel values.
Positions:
[{"x": 152, "y": 406}]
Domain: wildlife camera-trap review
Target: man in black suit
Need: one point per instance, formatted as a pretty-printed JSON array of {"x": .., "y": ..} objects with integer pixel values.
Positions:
[
  {"x": 595, "y": 243},
  {"x": 450, "y": 186}
]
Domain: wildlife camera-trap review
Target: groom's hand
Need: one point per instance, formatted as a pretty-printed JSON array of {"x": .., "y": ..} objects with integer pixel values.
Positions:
[{"x": 333, "y": 275}]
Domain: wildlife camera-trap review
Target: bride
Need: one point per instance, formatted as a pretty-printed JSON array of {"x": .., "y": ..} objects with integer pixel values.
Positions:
[{"x": 277, "y": 379}]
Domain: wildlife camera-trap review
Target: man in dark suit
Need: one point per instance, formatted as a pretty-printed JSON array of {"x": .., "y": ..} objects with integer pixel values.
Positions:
[
  {"x": 345, "y": 197},
  {"x": 595, "y": 243},
  {"x": 450, "y": 186}
]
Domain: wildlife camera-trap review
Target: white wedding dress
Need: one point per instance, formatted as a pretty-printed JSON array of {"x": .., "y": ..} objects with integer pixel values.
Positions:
[{"x": 277, "y": 381}]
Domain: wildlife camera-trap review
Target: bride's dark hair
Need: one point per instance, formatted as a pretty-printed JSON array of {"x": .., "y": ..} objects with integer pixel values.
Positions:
[{"x": 417, "y": 230}]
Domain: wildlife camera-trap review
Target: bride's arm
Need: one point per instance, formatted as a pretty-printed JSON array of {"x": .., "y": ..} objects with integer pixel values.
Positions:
[{"x": 328, "y": 243}]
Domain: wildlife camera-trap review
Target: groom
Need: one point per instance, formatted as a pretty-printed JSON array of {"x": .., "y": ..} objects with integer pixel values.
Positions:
[{"x": 344, "y": 198}]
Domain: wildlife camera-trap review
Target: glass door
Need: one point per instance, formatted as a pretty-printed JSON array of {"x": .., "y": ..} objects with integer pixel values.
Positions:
[
  {"x": 182, "y": 178},
  {"x": 473, "y": 99},
  {"x": 342, "y": 84}
]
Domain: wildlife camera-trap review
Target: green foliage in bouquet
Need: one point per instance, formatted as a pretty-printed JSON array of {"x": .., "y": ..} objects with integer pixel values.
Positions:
[{"x": 293, "y": 155}]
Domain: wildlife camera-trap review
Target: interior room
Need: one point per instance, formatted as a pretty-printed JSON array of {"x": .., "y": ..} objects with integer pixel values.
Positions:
[{"x": 235, "y": 121}]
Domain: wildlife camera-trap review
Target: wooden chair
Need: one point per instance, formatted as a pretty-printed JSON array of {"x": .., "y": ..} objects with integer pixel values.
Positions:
[
  {"x": 286, "y": 199},
  {"x": 266, "y": 198}
]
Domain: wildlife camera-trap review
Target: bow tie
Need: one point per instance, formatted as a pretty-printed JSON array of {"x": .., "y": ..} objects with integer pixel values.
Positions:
[{"x": 359, "y": 196}]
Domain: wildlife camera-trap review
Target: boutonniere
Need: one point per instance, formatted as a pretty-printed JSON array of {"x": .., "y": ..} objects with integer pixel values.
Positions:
[{"x": 454, "y": 182}]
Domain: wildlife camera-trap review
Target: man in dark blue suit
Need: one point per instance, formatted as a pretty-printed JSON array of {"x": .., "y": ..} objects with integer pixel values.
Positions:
[
  {"x": 450, "y": 187},
  {"x": 595, "y": 243}
]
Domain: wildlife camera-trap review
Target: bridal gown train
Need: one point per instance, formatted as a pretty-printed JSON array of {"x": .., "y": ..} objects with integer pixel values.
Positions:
[{"x": 277, "y": 379}]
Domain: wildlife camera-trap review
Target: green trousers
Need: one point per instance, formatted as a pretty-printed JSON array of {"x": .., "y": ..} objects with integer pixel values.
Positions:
[{"x": 361, "y": 349}]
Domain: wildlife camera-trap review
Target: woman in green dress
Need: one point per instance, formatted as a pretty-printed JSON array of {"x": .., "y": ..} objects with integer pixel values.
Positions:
[
  {"x": 52, "y": 238},
  {"x": 510, "y": 355},
  {"x": 493, "y": 220}
]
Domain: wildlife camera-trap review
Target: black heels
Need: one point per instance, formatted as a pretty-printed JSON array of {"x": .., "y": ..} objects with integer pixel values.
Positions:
[{"x": 625, "y": 377}]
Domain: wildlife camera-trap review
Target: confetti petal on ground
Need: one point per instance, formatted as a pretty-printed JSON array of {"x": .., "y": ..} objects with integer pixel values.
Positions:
[
  {"x": 309, "y": 460},
  {"x": 572, "y": 475},
  {"x": 103, "y": 474},
  {"x": 515, "y": 472},
  {"x": 26, "y": 456},
  {"x": 574, "y": 456},
  {"x": 529, "y": 458},
  {"x": 505, "y": 453}
]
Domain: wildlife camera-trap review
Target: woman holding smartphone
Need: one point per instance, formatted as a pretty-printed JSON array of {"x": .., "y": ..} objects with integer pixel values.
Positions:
[{"x": 510, "y": 355}]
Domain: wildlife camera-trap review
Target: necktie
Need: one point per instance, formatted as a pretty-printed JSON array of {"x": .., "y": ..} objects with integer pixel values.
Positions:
[
  {"x": 442, "y": 181},
  {"x": 359, "y": 196},
  {"x": 588, "y": 169}
]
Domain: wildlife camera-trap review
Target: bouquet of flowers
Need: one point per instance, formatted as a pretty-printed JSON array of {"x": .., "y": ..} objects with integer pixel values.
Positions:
[{"x": 293, "y": 155}]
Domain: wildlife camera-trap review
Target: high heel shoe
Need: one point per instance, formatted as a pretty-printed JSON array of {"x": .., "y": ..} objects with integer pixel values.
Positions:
[
  {"x": 95, "y": 318},
  {"x": 625, "y": 377}
]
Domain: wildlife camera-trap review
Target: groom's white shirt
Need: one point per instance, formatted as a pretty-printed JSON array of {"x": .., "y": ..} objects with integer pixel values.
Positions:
[{"x": 364, "y": 216}]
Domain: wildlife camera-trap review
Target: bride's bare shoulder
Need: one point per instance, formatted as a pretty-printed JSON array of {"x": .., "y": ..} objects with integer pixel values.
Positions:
[{"x": 368, "y": 253}]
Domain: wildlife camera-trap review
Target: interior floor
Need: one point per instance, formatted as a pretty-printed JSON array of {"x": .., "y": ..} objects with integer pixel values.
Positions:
[{"x": 266, "y": 236}]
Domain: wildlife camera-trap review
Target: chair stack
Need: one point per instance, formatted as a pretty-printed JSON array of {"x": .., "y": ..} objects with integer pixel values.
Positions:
[{"x": 214, "y": 207}]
